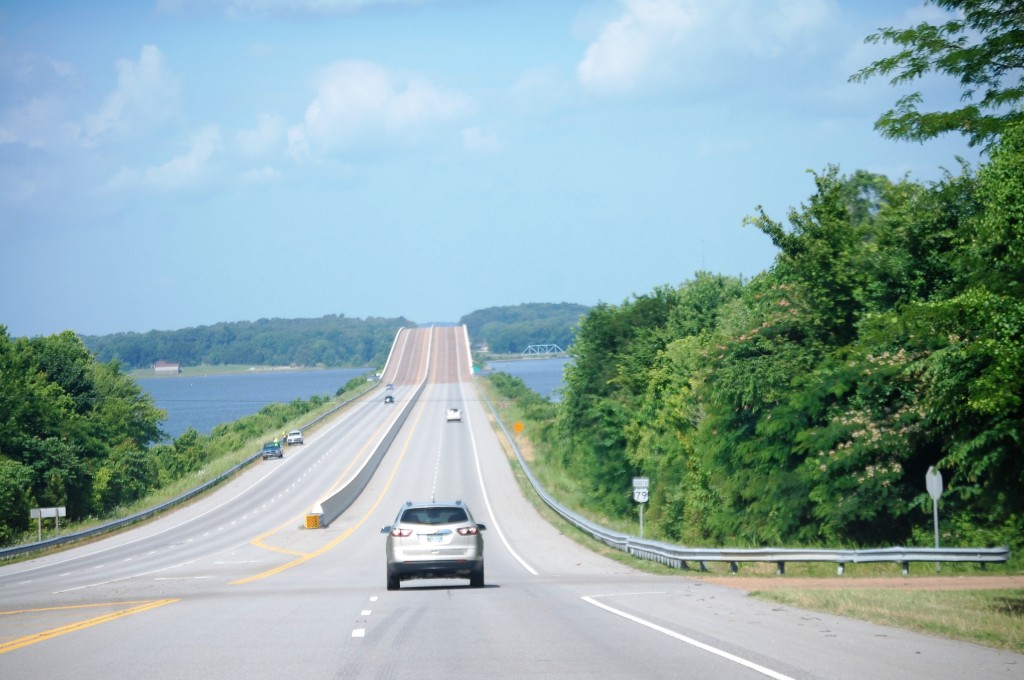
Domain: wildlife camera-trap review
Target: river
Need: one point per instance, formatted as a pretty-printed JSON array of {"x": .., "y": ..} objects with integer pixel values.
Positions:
[
  {"x": 203, "y": 402},
  {"x": 543, "y": 376}
]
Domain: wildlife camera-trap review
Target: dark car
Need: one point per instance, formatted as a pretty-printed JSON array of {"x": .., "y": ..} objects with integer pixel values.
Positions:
[
  {"x": 272, "y": 450},
  {"x": 434, "y": 540},
  {"x": 389, "y": 399}
]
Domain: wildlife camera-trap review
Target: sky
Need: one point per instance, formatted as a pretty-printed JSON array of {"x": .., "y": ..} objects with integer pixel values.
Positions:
[{"x": 167, "y": 164}]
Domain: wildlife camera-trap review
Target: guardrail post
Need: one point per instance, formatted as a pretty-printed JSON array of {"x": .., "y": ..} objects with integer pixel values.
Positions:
[
  {"x": 906, "y": 568},
  {"x": 733, "y": 567},
  {"x": 780, "y": 568},
  {"x": 842, "y": 569}
]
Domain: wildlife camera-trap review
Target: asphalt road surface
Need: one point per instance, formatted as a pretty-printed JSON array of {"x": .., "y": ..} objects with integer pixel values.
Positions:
[{"x": 235, "y": 586}]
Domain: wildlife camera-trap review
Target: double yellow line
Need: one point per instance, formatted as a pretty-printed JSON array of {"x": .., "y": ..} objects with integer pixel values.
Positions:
[{"x": 27, "y": 640}]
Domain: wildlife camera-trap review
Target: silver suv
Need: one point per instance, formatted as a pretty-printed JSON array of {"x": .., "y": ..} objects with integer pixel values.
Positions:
[{"x": 434, "y": 540}]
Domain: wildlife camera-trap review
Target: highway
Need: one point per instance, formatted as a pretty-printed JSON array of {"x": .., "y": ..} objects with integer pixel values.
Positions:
[{"x": 235, "y": 586}]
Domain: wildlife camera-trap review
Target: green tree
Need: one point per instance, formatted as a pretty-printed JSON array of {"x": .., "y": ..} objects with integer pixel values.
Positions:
[
  {"x": 764, "y": 344},
  {"x": 127, "y": 475},
  {"x": 15, "y": 499},
  {"x": 124, "y": 413},
  {"x": 982, "y": 46},
  {"x": 820, "y": 256},
  {"x": 614, "y": 350},
  {"x": 974, "y": 379}
]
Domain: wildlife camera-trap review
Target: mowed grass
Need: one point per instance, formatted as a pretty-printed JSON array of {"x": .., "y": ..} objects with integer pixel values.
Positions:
[{"x": 994, "y": 618}]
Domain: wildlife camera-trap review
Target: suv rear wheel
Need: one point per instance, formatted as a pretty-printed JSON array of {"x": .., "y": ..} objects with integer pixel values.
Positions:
[
  {"x": 476, "y": 579},
  {"x": 393, "y": 582}
]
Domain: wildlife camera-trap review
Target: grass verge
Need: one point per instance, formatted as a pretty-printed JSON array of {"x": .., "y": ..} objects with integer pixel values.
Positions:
[{"x": 994, "y": 618}]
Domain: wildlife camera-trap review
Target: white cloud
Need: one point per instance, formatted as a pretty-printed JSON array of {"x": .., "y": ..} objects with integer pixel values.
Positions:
[
  {"x": 180, "y": 172},
  {"x": 146, "y": 95},
  {"x": 630, "y": 46},
  {"x": 269, "y": 133},
  {"x": 659, "y": 41},
  {"x": 358, "y": 101}
]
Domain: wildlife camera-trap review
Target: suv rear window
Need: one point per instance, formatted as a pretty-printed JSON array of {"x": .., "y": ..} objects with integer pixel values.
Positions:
[{"x": 434, "y": 515}]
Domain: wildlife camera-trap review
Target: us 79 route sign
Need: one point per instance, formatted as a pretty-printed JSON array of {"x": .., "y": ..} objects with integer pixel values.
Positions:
[{"x": 641, "y": 485}]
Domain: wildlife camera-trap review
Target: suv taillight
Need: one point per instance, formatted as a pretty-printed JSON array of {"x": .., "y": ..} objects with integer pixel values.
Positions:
[
  {"x": 467, "y": 531},
  {"x": 401, "y": 533}
]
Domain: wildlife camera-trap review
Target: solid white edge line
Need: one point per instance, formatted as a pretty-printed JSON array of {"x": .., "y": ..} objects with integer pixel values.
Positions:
[
  {"x": 487, "y": 500},
  {"x": 690, "y": 641}
]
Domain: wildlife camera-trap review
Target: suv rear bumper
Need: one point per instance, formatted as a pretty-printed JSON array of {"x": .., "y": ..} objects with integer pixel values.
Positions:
[{"x": 436, "y": 569}]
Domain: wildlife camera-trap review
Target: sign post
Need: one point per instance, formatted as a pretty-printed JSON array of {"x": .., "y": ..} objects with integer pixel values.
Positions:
[
  {"x": 641, "y": 487},
  {"x": 40, "y": 513},
  {"x": 933, "y": 482}
]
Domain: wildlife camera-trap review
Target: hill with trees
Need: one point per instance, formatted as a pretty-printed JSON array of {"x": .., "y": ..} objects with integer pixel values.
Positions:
[
  {"x": 511, "y": 329},
  {"x": 332, "y": 340}
]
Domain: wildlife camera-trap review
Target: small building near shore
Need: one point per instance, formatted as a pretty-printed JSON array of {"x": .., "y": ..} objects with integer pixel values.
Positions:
[{"x": 164, "y": 367}]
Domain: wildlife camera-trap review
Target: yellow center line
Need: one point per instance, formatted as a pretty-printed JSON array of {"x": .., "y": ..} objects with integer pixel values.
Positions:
[
  {"x": 328, "y": 546},
  {"x": 79, "y": 625}
]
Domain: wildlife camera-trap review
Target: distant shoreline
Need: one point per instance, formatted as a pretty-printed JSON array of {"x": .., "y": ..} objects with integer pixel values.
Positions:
[{"x": 230, "y": 369}]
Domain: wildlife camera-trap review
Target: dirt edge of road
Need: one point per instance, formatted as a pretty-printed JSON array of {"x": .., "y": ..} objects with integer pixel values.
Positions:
[{"x": 750, "y": 584}]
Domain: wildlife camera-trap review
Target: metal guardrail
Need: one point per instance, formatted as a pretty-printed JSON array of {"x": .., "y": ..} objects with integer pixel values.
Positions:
[
  {"x": 679, "y": 557},
  {"x": 25, "y": 548}
]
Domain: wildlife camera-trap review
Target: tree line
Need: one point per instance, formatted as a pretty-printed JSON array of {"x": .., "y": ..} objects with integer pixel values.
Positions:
[
  {"x": 806, "y": 405},
  {"x": 332, "y": 341}
]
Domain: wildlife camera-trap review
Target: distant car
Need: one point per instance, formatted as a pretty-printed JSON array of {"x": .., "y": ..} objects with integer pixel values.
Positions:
[
  {"x": 389, "y": 386},
  {"x": 454, "y": 415},
  {"x": 272, "y": 450},
  {"x": 434, "y": 540},
  {"x": 294, "y": 437},
  {"x": 388, "y": 399}
]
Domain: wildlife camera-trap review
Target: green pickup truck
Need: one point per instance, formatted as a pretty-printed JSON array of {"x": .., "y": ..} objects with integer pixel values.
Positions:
[{"x": 272, "y": 450}]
